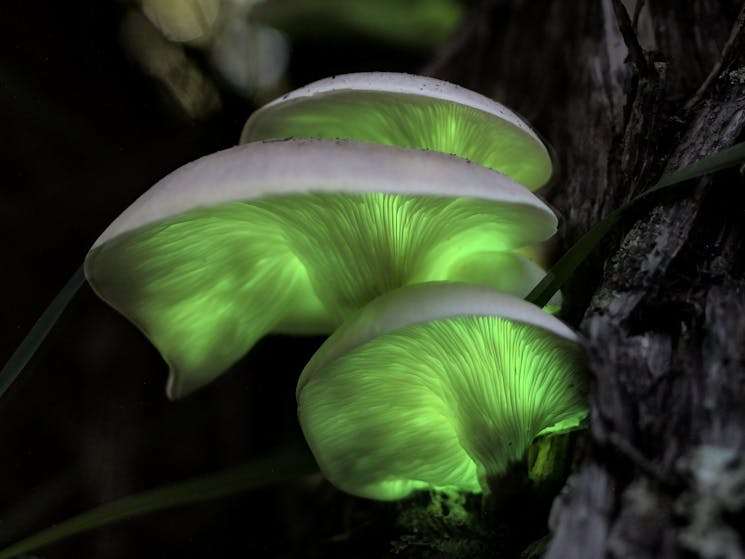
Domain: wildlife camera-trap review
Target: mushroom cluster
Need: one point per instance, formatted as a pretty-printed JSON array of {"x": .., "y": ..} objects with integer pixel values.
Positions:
[
  {"x": 440, "y": 385},
  {"x": 390, "y": 209}
]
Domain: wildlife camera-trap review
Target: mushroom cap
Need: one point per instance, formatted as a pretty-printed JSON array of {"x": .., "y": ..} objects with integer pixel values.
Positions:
[
  {"x": 408, "y": 111},
  {"x": 292, "y": 236},
  {"x": 488, "y": 268},
  {"x": 438, "y": 385}
]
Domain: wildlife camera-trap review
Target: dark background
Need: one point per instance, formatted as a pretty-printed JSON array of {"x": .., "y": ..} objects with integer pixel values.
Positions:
[
  {"x": 83, "y": 131},
  {"x": 85, "y": 128}
]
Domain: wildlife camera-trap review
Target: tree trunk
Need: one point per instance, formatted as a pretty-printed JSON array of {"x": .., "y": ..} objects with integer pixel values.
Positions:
[
  {"x": 626, "y": 92},
  {"x": 623, "y": 90}
]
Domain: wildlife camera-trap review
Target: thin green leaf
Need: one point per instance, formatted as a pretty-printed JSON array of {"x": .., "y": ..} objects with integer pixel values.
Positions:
[
  {"x": 730, "y": 157},
  {"x": 39, "y": 502},
  {"x": 565, "y": 266},
  {"x": 39, "y": 331},
  {"x": 281, "y": 466},
  {"x": 541, "y": 294},
  {"x": 560, "y": 273}
]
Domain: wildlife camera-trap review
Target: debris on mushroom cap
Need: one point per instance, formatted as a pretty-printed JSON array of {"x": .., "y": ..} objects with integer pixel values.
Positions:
[
  {"x": 438, "y": 385},
  {"x": 408, "y": 111},
  {"x": 292, "y": 236}
]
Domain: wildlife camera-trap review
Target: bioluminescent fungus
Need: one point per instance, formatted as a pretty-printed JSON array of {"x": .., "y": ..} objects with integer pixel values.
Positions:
[
  {"x": 408, "y": 111},
  {"x": 293, "y": 236},
  {"x": 438, "y": 385},
  {"x": 486, "y": 268}
]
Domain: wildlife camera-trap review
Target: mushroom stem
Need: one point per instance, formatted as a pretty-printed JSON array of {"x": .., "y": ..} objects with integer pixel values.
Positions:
[{"x": 506, "y": 488}]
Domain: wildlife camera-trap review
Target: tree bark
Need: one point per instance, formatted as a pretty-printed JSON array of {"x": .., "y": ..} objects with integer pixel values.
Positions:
[{"x": 626, "y": 92}]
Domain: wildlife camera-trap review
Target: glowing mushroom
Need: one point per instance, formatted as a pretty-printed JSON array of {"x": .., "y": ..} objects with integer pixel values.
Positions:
[
  {"x": 439, "y": 385},
  {"x": 408, "y": 111},
  {"x": 488, "y": 268},
  {"x": 293, "y": 236}
]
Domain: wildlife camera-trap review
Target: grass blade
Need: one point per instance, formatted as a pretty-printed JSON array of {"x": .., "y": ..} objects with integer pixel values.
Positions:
[
  {"x": 565, "y": 266},
  {"x": 730, "y": 157},
  {"x": 286, "y": 464},
  {"x": 563, "y": 269},
  {"x": 39, "y": 331}
]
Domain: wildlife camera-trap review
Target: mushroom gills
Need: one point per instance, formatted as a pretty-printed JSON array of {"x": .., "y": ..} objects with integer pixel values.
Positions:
[
  {"x": 443, "y": 403},
  {"x": 408, "y": 111},
  {"x": 204, "y": 286},
  {"x": 269, "y": 237}
]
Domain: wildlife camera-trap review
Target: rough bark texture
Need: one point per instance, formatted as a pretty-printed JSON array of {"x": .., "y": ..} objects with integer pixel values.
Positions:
[
  {"x": 625, "y": 92},
  {"x": 661, "y": 472}
]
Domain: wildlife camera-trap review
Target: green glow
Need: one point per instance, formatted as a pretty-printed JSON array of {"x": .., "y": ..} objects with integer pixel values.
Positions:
[
  {"x": 446, "y": 403},
  {"x": 206, "y": 285},
  {"x": 413, "y": 23},
  {"x": 408, "y": 121},
  {"x": 487, "y": 268},
  {"x": 547, "y": 459}
]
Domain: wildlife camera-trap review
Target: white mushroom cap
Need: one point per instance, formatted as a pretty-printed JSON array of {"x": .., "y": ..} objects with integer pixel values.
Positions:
[
  {"x": 487, "y": 268},
  {"x": 438, "y": 385},
  {"x": 292, "y": 236},
  {"x": 423, "y": 303},
  {"x": 408, "y": 111}
]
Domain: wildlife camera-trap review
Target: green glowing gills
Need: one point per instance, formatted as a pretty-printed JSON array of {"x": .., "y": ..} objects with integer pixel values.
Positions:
[
  {"x": 438, "y": 385},
  {"x": 294, "y": 236},
  {"x": 388, "y": 207},
  {"x": 408, "y": 111}
]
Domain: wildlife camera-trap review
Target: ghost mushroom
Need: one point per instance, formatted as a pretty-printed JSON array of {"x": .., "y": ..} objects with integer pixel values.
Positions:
[
  {"x": 438, "y": 385},
  {"x": 487, "y": 268},
  {"x": 294, "y": 236},
  {"x": 408, "y": 111}
]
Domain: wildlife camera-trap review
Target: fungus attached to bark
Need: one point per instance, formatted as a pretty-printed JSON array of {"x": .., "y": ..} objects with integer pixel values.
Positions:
[
  {"x": 440, "y": 385},
  {"x": 408, "y": 111},
  {"x": 293, "y": 236}
]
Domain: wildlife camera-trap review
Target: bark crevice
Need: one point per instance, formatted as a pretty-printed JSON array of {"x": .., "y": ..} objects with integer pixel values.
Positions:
[{"x": 662, "y": 302}]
